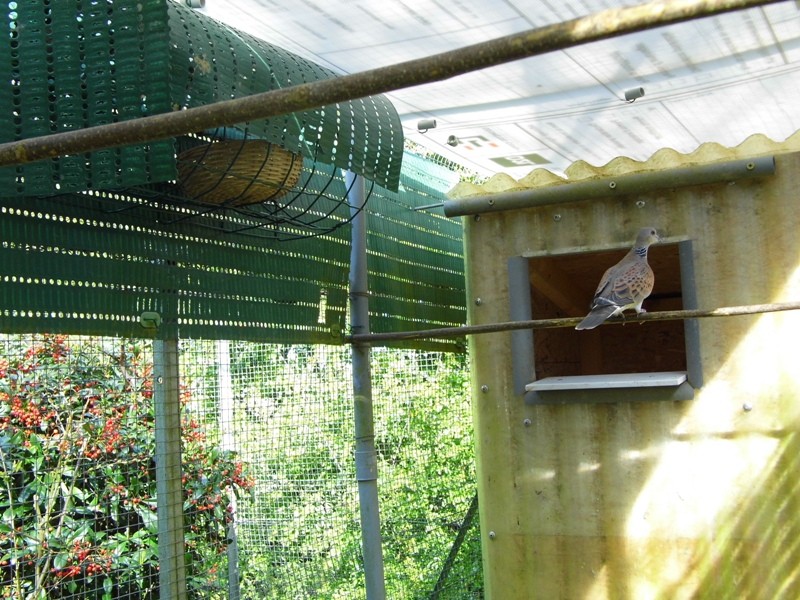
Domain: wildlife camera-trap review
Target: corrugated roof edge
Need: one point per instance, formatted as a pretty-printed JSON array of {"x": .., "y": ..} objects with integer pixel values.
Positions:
[{"x": 755, "y": 145}]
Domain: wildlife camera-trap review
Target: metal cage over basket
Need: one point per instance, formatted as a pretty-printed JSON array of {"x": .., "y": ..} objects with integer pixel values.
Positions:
[
  {"x": 238, "y": 172},
  {"x": 233, "y": 181}
]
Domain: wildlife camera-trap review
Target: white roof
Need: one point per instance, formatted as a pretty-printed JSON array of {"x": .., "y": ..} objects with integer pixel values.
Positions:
[{"x": 718, "y": 79}]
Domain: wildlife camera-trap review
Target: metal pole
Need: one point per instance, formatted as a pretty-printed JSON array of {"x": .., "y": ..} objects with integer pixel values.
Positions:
[
  {"x": 228, "y": 443},
  {"x": 454, "y": 549},
  {"x": 366, "y": 457},
  {"x": 620, "y": 185},
  {"x": 166, "y": 394}
]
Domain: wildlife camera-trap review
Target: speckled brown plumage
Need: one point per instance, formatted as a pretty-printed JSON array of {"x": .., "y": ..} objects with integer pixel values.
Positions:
[{"x": 625, "y": 285}]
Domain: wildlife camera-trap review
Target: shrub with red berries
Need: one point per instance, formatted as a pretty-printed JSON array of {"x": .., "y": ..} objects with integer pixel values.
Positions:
[{"x": 77, "y": 476}]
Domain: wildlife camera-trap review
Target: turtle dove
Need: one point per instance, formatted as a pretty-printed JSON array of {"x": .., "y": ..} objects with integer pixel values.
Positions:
[{"x": 625, "y": 285}]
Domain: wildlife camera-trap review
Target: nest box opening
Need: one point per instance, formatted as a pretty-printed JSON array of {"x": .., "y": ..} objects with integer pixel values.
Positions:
[{"x": 618, "y": 356}]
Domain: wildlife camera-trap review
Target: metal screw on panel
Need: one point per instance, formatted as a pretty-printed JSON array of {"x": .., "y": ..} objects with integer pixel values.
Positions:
[
  {"x": 747, "y": 407},
  {"x": 476, "y": 218},
  {"x": 556, "y": 218},
  {"x": 527, "y": 422},
  {"x": 640, "y": 203},
  {"x": 492, "y": 535},
  {"x": 484, "y": 388},
  {"x": 478, "y": 301},
  {"x": 612, "y": 184}
]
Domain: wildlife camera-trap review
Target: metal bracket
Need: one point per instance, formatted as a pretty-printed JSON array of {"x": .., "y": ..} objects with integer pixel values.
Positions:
[
  {"x": 366, "y": 465},
  {"x": 150, "y": 320}
]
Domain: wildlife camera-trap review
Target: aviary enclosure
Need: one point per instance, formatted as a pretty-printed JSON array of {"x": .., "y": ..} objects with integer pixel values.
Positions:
[
  {"x": 176, "y": 414},
  {"x": 191, "y": 405}
]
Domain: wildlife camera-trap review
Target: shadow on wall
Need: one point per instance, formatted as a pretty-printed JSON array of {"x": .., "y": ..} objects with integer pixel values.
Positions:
[
  {"x": 755, "y": 552},
  {"x": 585, "y": 463},
  {"x": 708, "y": 522}
]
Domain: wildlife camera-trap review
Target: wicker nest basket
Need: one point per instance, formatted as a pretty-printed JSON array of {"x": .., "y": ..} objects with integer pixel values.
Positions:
[{"x": 238, "y": 172}]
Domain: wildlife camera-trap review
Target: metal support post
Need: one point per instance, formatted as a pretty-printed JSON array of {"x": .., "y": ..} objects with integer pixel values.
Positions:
[
  {"x": 166, "y": 394},
  {"x": 226, "y": 426},
  {"x": 365, "y": 453}
]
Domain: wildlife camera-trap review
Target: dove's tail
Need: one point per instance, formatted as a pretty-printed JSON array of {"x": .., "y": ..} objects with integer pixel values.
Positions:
[{"x": 597, "y": 316}]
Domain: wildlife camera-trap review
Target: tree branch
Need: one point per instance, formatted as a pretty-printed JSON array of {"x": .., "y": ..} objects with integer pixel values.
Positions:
[{"x": 667, "y": 315}]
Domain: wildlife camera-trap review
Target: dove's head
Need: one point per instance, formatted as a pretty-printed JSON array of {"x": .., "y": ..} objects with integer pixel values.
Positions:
[{"x": 647, "y": 236}]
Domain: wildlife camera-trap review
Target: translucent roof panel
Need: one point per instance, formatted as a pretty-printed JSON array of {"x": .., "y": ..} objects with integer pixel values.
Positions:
[{"x": 717, "y": 79}]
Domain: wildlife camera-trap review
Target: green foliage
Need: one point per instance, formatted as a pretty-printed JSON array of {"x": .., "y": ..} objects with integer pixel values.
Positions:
[
  {"x": 295, "y": 426},
  {"x": 77, "y": 483},
  {"x": 427, "y": 469}
]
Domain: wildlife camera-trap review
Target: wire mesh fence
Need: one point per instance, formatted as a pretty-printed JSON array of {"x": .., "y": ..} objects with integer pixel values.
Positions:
[{"x": 270, "y": 504}]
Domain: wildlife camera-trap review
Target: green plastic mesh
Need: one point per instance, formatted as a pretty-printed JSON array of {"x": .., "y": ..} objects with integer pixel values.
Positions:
[
  {"x": 415, "y": 257},
  {"x": 73, "y": 64},
  {"x": 69, "y": 267},
  {"x": 70, "y": 65},
  {"x": 212, "y": 62},
  {"x": 91, "y": 263},
  {"x": 91, "y": 241}
]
